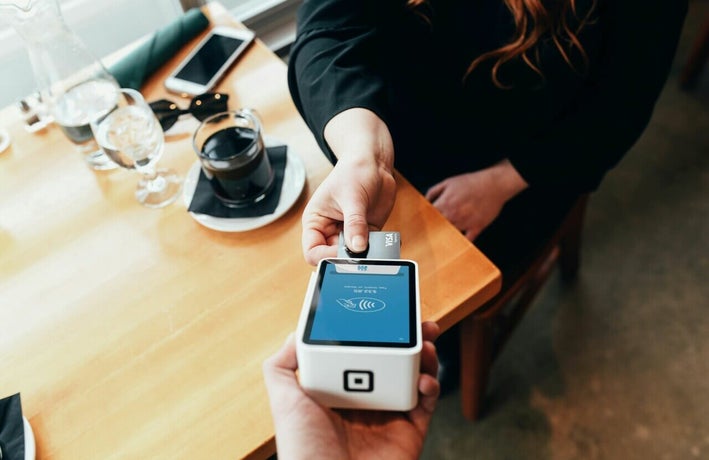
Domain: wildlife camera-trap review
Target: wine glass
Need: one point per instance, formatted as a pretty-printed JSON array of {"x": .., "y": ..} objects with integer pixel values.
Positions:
[{"x": 132, "y": 137}]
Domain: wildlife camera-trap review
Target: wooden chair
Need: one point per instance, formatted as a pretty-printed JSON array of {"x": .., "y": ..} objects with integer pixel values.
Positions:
[
  {"x": 484, "y": 332},
  {"x": 698, "y": 57}
]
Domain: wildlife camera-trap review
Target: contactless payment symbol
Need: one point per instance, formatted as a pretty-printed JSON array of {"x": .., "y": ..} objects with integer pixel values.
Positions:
[{"x": 362, "y": 304}]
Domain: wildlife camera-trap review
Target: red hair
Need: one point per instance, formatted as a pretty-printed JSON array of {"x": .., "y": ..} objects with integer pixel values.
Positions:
[{"x": 532, "y": 22}]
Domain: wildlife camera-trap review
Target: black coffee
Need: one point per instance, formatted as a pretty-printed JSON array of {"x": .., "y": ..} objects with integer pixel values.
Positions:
[{"x": 237, "y": 165}]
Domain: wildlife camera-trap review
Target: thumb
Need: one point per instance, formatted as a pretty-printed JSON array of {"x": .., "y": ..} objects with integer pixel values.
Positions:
[{"x": 356, "y": 229}]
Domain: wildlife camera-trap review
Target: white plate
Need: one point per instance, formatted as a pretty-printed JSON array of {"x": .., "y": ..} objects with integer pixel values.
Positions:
[
  {"x": 293, "y": 182},
  {"x": 29, "y": 440}
]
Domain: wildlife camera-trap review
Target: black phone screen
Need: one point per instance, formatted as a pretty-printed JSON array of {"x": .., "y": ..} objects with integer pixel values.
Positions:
[{"x": 209, "y": 59}]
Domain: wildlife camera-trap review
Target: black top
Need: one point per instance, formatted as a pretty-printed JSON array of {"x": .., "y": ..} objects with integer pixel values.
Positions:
[{"x": 564, "y": 131}]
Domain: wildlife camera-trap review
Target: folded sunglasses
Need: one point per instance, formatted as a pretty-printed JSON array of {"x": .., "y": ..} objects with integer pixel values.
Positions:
[{"x": 201, "y": 107}]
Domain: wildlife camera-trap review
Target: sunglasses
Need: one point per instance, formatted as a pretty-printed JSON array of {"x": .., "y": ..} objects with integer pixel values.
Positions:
[{"x": 201, "y": 107}]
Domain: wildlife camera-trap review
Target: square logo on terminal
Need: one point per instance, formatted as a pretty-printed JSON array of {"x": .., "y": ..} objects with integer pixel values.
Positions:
[{"x": 359, "y": 381}]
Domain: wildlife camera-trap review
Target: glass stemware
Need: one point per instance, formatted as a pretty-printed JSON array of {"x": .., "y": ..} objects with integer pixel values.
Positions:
[
  {"x": 132, "y": 137},
  {"x": 71, "y": 81}
]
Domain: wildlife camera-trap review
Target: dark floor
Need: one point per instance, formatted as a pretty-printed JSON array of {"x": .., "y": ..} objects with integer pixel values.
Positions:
[{"x": 615, "y": 366}]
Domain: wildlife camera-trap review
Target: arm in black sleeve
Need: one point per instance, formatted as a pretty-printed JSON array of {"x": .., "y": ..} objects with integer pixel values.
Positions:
[
  {"x": 612, "y": 112},
  {"x": 332, "y": 65}
]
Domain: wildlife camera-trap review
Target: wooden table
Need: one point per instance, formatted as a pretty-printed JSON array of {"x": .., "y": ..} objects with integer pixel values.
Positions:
[{"x": 138, "y": 333}]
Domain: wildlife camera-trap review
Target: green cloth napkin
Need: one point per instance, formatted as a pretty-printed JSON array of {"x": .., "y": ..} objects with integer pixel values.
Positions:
[
  {"x": 12, "y": 429},
  {"x": 134, "y": 68}
]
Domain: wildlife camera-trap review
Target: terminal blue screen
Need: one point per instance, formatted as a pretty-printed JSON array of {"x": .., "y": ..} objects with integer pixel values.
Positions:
[{"x": 366, "y": 303}]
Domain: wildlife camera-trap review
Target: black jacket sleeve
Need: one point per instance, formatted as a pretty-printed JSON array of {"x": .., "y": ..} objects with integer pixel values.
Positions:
[
  {"x": 613, "y": 110},
  {"x": 331, "y": 64}
]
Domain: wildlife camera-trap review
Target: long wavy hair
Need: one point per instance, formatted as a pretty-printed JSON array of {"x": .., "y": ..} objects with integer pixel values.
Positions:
[{"x": 558, "y": 20}]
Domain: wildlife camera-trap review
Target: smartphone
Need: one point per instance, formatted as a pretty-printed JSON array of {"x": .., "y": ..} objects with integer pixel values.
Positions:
[
  {"x": 209, "y": 60},
  {"x": 359, "y": 335}
]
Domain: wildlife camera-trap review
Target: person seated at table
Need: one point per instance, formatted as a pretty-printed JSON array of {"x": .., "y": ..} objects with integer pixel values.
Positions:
[
  {"x": 502, "y": 112},
  {"x": 307, "y": 430}
]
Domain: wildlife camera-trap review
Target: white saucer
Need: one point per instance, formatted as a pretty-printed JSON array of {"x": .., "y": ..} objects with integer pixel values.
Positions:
[
  {"x": 293, "y": 182},
  {"x": 29, "y": 440}
]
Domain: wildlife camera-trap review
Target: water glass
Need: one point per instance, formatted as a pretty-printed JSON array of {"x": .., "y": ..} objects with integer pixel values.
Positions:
[
  {"x": 133, "y": 138},
  {"x": 75, "y": 107}
]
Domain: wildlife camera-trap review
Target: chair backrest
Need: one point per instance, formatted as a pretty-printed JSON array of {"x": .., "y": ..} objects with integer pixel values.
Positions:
[{"x": 485, "y": 331}]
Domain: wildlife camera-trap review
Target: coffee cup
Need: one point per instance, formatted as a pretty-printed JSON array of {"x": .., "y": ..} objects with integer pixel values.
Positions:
[{"x": 233, "y": 157}]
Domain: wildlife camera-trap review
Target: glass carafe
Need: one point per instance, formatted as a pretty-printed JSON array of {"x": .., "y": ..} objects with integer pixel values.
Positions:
[{"x": 73, "y": 83}]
